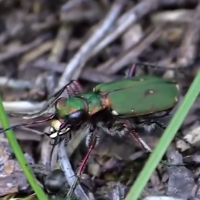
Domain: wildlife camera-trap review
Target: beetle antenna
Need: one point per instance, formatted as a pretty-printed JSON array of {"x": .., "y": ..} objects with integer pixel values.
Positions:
[
  {"x": 155, "y": 66},
  {"x": 28, "y": 124}
]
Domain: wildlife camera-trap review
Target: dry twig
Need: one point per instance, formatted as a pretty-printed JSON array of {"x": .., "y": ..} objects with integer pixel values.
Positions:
[
  {"x": 74, "y": 68},
  {"x": 188, "y": 49},
  {"x": 69, "y": 173},
  {"x": 13, "y": 54},
  {"x": 115, "y": 64}
]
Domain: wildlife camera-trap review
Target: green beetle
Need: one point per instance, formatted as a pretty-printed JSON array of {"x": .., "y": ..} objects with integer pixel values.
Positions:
[
  {"x": 129, "y": 97},
  {"x": 115, "y": 104}
]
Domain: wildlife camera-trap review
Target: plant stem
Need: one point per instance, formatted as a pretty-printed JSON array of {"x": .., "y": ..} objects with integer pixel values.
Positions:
[{"x": 19, "y": 155}]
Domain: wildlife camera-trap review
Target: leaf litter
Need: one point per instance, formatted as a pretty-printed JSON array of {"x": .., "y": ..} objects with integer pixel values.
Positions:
[{"x": 44, "y": 44}]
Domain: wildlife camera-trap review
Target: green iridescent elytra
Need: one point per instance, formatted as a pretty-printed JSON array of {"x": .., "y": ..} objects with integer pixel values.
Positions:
[{"x": 134, "y": 96}]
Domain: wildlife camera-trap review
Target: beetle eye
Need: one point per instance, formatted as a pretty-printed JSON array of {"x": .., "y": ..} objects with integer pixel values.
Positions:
[{"x": 77, "y": 117}]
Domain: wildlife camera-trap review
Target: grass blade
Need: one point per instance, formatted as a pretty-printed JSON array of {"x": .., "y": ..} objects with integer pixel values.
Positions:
[
  {"x": 19, "y": 155},
  {"x": 165, "y": 140}
]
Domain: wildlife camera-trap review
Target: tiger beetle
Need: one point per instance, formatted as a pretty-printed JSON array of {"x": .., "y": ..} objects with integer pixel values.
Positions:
[{"x": 137, "y": 98}]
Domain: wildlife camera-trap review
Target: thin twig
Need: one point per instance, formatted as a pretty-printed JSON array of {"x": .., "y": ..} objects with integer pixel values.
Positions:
[
  {"x": 22, "y": 106},
  {"x": 21, "y": 50},
  {"x": 88, "y": 74},
  {"x": 15, "y": 84},
  {"x": 69, "y": 173},
  {"x": 35, "y": 53},
  {"x": 55, "y": 56},
  {"x": 28, "y": 134},
  {"x": 45, "y": 151},
  {"x": 132, "y": 16},
  {"x": 77, "y": 16},
  {"x": 173, "y": 16},
  {"x": 71, "y": 4},
  {"x": 74, "y": 68},
  {"x": 126, "y": 21},
  {"x": 78, "y": 136},
  {"x": 188, "y": 49},
  {"x": 60, "y": 43},
  {"x": 115, "y": 64}
]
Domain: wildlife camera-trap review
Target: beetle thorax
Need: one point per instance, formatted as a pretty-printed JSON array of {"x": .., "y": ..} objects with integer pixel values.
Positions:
[{"x": 66, "y": 106}]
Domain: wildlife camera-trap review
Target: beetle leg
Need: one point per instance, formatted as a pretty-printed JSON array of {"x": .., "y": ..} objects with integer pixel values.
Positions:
[
  {"x": 77, "y": 87},
  {"x": 130, "y": 129},
  {"x": 159, "y": 123},
  {"x": 92, "y": 143},
  {"x": 54, "y": 142},
  {"x": 60, "y": 138},
  {"x": 162, "y": 125},
  {"x": 73, "y": 89},
  {"x": 131, "y": 71},
  {"x": 136, "y": 136},
  {"x": 103, "y": 127},
  {"x": 140, "y": 140}
]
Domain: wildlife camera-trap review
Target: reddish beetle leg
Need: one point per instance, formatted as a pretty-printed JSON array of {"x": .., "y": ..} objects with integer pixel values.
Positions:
[
  {"x": 73, "y": 88},
  {"x": 91, "y": 146}
]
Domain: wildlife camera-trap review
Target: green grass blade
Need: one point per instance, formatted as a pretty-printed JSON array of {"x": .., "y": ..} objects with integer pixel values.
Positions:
[
  {"x": 165, "y": 140},
  {"x": 19, "y": 155}
]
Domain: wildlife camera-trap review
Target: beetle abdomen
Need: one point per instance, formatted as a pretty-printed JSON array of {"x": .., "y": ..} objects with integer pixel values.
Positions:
[
  {"x": 146, "y": 99},
  {"x": 137, "y": 96},
  {"x": 126, "y": 83}
]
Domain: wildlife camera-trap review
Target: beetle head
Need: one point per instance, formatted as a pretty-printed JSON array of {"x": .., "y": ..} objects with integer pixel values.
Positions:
[{"x": 72, "y": 110}]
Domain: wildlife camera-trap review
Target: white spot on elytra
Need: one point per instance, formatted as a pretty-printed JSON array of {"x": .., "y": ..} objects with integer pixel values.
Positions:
[
  {"x": 114, "y": 112},
  {"x": 141, "y": 79},
  {"x": 176, "y": 99},
  {"x": 151, "y": 91},
  {"x": 132, "y": 110}
]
